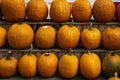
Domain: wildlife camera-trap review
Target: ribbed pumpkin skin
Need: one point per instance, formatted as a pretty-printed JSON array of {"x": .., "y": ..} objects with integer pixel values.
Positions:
[
  {"x": 90, "y": 39},
  {"x": 45, "y": 37},
  {"x": 111, "y": 38},
  {"x": 110, "y": 65},
  {"x": 60, "y": 11},
  {"x": 118, "y": 12},
  {"x": 114, "y": 78},
  {"x": 8, "y": 68},
  {"x": 13, "y": 10},
  {"x": 47, "y": 64},
  {"x": 27, "y": 66},
  {"x": 68, "y": 66},
  {"x": 37, "y": 10},
  {"x": 90, "y": 65},
  {"x": 68, "y": 36},
  {"x": 103, "y": 10},
  {"x": 20, "y": 36},
  {"x": 81, "y": 10},
  {"x": 3, "y": 36}
]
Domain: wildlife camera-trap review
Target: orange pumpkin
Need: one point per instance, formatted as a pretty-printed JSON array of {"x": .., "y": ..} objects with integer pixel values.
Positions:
[
  {"x": 47, "y": 64},
  {"x": 91, "y": 38},
  {"x": 8, "y": 66},
  {"x": 115, "y": 77},
  {"x": 60, "y": 10},
  {"x": 68, "y": 66},
  {"x": 111, "y": 38},
  {"x": 90, "y": 65},
  {"x": 3, "y": 35},
  {"x": 27, "y": 65},
  {"x": 13, "y": 10},
  {"x": 81, "y": 10},
  {"x": 103, "y": 10},
  {"x": 45, "y": 37},
  {"x": 37, "y": 10},
  {"x": 118, "y": 12},
  {"x": 68, "y": 36},
  {"x": 20, "y": 36}
]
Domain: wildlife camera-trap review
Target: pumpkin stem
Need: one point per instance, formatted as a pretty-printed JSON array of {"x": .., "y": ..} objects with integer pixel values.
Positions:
[
  {"x": 113, "y": 26},
  {"x": 19, "y": 21},
  {"x": 47, "y": 54},
  {"x": 90, "y": 27},
  {"x": 116, "y": 74},
  {"x": 70, "y": 52},
  {"x": 111, "y": 52},
  {"x": 8, "y": 55},
  {"x": 31, "y": 48},
  {"x": 71, "y": 23},
  {"x": 89, "y": 51}
]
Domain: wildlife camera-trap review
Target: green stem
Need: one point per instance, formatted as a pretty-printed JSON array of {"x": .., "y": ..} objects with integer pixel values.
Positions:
[
  {"x": 20, "y": 21},
  {"x": 47, "y": 54},
  {"x": 90, "y": 27},
  {"x": 89, "y": 51},
  {"x": 70, "y": 52},
  {"x": 8, "y": 55},
  {"x": 31, "y": 48},
  {"x": 71, "y": 23},
  {"x": 112, "y": 53},
  {"x": 113, "y": 26}
]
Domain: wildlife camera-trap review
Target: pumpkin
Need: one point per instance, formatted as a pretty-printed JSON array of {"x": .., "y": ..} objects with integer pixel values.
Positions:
[
  {"x": 68, "y": 36},
  {"x": 8, "y": 66},
  {"x": 45, "y": 37},
  {"x": 3, "y": 35},
  {"x": 81, "y": 10},
  {"x": 47, "y": 64},
  {"x": 111, "y": 38},
  {"x": 115, "y": 77},
  {"x": 60, "y": 10},
  {"x": 103, "y": 10},
  {"x": 20, "y": 36},
  {"x": 68, "y": 66},
  {"x": 27, "y": 65},
  {"x": 90, "y": 65},
  {"x": 118, "y": 12},
  {"x": 90, "y": 38},
  {"x": 37, "y": 10},
  {"x": 13, "y": 10},
  {"x": 111, "y": 64}
]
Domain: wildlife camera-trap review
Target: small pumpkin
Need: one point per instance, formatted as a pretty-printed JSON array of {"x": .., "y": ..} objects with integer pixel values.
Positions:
[
  {"x": 45, "y": 37},
  {"x": 81, "y": 10},
  {"x": 68, "y": 36},
  {"x": 103, "y": 10},
  {"x": 68, "y": 66},
  {"x": 27, "y": 65},
  {"x": 60, "y": 10},
  {"x": 13, "y": 10},
  {"x": 90, "y": 38},
  {"x": 111, "y": 38},
  {"x": 20, "y": 36},
  {"x": 118, "y": 12},
  {"x": 8, "y": 66},
  {"x": 3, "y": 36},
  {"x": 90, "y": 65},
  {"x": 115, "y": 77},
  {"x": 111, "y": 64},
  {"x": 47, "y": 64},
  {"x": 37, "y": 10}
]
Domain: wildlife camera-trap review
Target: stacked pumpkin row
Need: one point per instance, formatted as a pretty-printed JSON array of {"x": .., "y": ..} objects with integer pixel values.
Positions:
[
  {"x": 21, "y": 35},
  {"x": 60, "y": 10},
  {"x": 47, "y": 63}
]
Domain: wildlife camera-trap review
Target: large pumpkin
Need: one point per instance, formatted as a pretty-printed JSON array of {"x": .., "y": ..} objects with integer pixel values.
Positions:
[
  {"x": 111, "y": 38},
  {"x": 60, "y": 10},
  {"x": 90, "y": 65},
  {"x": 8, "y": 66},
  {"x": 81, "y": 10},
  {"x": 118, "y": 12},
  {"x": 27, "y": 65},
  {"x": 68, "y": 36},
  {"x": 13, "y": 10},
  {"x": 3, "y": 35},
  {"x": 111, "y": 64},
  {"x": 91, "y": 38},
  {"x": 20, "y": 36},
  {"x": 45, "y": 37},
  {"x": 68, "y": 66},
  {"x": 47, "y": 64},
  {"x": 37, "y": 10},
  {"x": 103, "y": 10},
  {"x": 115, "y": 77}
]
